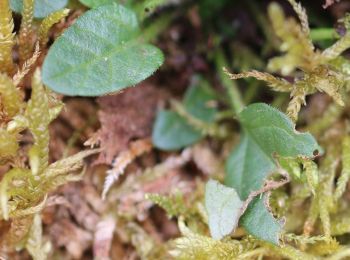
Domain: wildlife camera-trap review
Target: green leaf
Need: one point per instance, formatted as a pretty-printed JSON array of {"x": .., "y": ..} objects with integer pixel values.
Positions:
[
  {"x": 99, "y": 54},
  {"x": 259, "y": 222},
  {"x": 266, "y": 131},
  {"x": 172, "y": 132},
  {"x": 224, "y": 208},
  {"x": 197, "y": 101},
  {"x": 42, "y": 8},
  {"x": 97, "y": 3},
  {"x": 247, "y": 167}
]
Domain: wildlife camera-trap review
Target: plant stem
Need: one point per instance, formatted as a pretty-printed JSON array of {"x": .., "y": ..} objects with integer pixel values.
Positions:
[
  {"x": 320, "y": 34},
  {"x": 231, "y": 87}
]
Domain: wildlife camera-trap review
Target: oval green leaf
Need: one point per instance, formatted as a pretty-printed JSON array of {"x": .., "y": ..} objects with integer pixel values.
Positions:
[
  {"x": 259, "y": 222},
  {"x": 224, "y": 208},
  {"x": 42, "y": 8},
  {"x": 99, "y": 54},
  {"x": 266, "y": 131},
  {"x": 172, "y": 132}
]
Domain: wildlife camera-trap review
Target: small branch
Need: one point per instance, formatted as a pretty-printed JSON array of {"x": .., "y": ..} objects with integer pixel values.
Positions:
[
  {"x": 236, "y": 101},
  {"x": 268, "y": 186}
]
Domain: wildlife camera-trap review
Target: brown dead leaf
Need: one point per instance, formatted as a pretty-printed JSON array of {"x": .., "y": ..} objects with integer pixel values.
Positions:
[{"x": 126, "y": 116}]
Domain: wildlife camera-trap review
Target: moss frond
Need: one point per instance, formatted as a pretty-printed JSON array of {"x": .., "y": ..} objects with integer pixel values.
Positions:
[
  {"x": 287, "y": 252},
  {"x": 325, "y": 248},
  {"x": 323, "y": 204},
  {"x": 326, "y": 80},
  {"x": 312, "y": 217},
  {"x": 30, "y": 211},
  {"x": 23, "y": 191},
  {"x": 342, "y": 44},
  {"x": 345, "y": 173},
  {"x": 8, "y": 145},
  {"x": 26, "y": 30},
  {"x": 18, "y": 232},
  {"x": 325, "y": 216},
  {"x": 342, "y": 65},
  {"x": 11, "y": 100},
  {"x": 295, "y": 41},
  {"x": 39, "y": 121},
  {"x": 174, "y": 205},
  {"x": 311, "y": 173},
  {"x": 63, "y": 171},
  {"x": 302, "y": 239},
  {"x": 277, "y": 84},
  {"x": 119, "y": 164},
  {"x": 35, "y": 245},
  {"x": 298, "y": 99},
  {"x": 195, "y": 246},
  {"x": 302, "y": 17},
  {"x": 48, "y": 22},
  {"x": 28, "y": 64},
  {"x": 337, "y": 48},
  {"x": 6, "y": 38},
  {"x": 12, "y": 185}
]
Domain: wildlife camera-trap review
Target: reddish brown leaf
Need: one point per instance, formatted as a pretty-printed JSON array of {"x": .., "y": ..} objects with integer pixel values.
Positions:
[{"x": 126, "y": 116}]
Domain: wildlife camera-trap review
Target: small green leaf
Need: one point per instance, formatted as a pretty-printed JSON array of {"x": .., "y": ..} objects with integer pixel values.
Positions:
[
  {"x": 42, "y": 8},
  {"x": 99, "y": 54},
  {"x": 224, "y": 208},
  {"x": 172, "y": 132},
  {"x": 97, "y": 3},
  {"x": 266, "y": 131},
  {"x": 197, "y": 101},
  {"x": 259, "y": 222}
]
